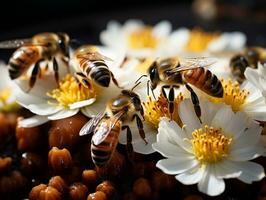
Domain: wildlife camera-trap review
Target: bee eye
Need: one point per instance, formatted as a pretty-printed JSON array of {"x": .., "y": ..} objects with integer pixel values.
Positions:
[
  {"x": 62, "y": 45},
  {"x": 152, "y": 73}
]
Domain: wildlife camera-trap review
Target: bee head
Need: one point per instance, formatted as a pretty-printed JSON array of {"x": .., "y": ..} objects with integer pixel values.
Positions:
[
  {"x": 154, "y": 75},
  {"x": 134, "y": 99},
  {"x": 63, "y": 43}
]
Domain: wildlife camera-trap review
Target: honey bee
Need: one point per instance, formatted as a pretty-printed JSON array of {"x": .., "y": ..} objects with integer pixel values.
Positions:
[
  {"x": 92, "y": 66},
  {"x": 43, "y": 47},
  {"x": 107, "y": 126},
  {"x": 172, "y": 73},
  {"x": 249, "y": 58}
]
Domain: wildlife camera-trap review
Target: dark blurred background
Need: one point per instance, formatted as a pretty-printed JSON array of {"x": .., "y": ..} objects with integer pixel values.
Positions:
[{"x": 85, "y": 19}]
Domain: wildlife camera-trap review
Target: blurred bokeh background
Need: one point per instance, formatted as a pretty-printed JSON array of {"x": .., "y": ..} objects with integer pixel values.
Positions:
[{"x": 85, "y": 19}]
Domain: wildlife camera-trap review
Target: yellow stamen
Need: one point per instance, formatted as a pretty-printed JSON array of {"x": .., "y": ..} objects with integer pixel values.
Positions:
[
  {"x": 155, "y": 109},
  {"x": 210, "y": 145},
  {"x": 70, "y": 92},
  {"x": 199, "y": 40},
  {"x": 233, "y": 95},
  {"x": 142, "y": 38}
]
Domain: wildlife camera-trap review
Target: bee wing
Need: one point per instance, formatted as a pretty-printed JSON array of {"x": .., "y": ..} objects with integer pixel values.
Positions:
[
  {"x": 102, "y": 132},
  {"x": 94, "y": 56},
  {"x": 193, "y": 63},
  {"x": 91, "y": 124},
  {"x": 12, "y": 44},
  {"x": 105, "y": 128}
]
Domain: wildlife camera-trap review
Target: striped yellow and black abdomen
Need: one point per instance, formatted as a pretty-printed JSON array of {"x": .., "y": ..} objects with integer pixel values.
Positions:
[
  {"x": 22, "y": 59},
  {"x": 205, "y": 80},
  {"x": 96, "y": 70},
  {"x": 102, "y": 153}
]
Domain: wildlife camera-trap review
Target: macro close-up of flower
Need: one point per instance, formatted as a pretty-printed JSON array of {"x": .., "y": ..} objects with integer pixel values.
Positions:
[{"x": 212, "y": 151}]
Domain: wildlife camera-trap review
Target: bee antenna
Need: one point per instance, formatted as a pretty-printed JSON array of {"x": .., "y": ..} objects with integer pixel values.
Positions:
[
  {"x": 135, "y": 85},
  {"x": 144, "y": 75}
]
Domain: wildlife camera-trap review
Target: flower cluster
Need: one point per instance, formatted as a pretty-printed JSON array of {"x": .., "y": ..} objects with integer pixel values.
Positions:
[{"x": 207, "y": 125}]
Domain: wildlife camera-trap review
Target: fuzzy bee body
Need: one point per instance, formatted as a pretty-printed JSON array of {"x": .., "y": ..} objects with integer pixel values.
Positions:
[
  {"x": 22, "y": 59},
  {"x": 92, "y": 66},
  {"x": 171, "y": 73},
  {"x": 206, "y": 81},
  {"x": 33, "y": 51},
  {"x": 107, "y": 126},
  {"x": 101, "y": 152},
  {"x": 249, "y": 58}
]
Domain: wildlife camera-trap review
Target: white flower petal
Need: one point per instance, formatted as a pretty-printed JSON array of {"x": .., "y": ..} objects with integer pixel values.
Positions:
[
  {"x": 162, "y": 29},
  {"x": 63, "y": 114},
  {"x": 226, "y": 169},
  {"x": 177, "y": 165},
  {"x": 246, "y": 153},
  {"x": 175, "y": 134},
  {"x": 250, "y": 136},
  {"x": 139, "y": 145},
  {"x": 188, "y": 116},
  {"x": 80, "y": 104},
  {"x": 210, "y": 184},
  {"x": 165, "y": 146},
  {"x": 252, "y": 76},
  {"x": 233, "y": 124},
  {"x": 190, "y": 177},
  {"x": 36, "y": 120},
  {"x": 26, "y": 99},
  {"x": 208, "y": 111},
  {"x": 250, "y": 171},
  {"x": 43, "y": 109}
]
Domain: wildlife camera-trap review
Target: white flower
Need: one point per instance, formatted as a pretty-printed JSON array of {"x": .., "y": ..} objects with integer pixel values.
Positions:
[
  {"x": 52, "y": 102},
  {"x": 257, "y": 77},
  {"x": 136, "y": 38},
  {"x": 207, "y": 153},
  {"x": 193, "y": 41},
  {"x": 234, "y": 41},
  {"x": 7, "y": 91},
  {"x": 246, "y": 98}
]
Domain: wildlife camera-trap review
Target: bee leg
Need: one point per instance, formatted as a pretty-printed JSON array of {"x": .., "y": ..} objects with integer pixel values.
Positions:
[
  {"x": 195, "y": 101},
  {"x": 34, "y": 74},
  {"x": 130, "y": 152},
  {"x": 55, "y": 68},
  {"x": 140, "y": 128},
  {"x": 163, "y": 90},
  {"x": 171, "y": 98},
  {"x": 115, "y": 81},
  {"x": 82, "y": 79}
]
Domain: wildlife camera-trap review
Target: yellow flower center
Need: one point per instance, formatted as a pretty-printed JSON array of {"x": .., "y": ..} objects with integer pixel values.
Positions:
[
  {"x": 69, "y": 92},
  {"x": 199, "y": 40},
  {"x": 233, "y": 95},
  {"x": 210, "y": 145},
  {"x": 4, "y": 95},
  {"x": 142, "y": 38},
  {"x": 155, "y": 109}
]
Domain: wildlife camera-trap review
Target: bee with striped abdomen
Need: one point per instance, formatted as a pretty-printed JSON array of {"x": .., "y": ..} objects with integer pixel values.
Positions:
[
  {"x": 249, "y": 58},
  {"x": 92, "y": 66},
  {"x": 172, "y": 73},
  {"x": 107, "y": 126},
  {"x": 43, "y": 47}
]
